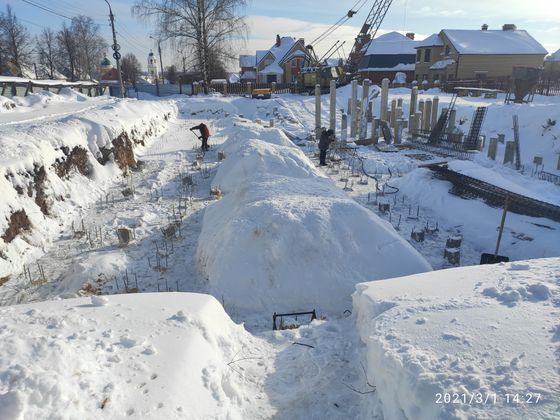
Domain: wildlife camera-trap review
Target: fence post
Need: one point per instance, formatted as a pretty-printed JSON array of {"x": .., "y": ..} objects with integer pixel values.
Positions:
[
  {"x": 249, "y": 90},
  {"x": 273, "y": 88}
]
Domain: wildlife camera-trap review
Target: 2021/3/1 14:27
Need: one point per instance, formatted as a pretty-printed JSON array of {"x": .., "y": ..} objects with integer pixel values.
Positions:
[{"x": 476, "y": 398}]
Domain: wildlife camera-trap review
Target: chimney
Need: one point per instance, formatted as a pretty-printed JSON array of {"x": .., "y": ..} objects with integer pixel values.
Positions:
[
  {"x": 410, "y": 35},
  {"x": 301, "y": 41},
  {"x": 278, "y": 41},
  {"x": 509, "y": 27},
  {"x": 484, "y": 27}
]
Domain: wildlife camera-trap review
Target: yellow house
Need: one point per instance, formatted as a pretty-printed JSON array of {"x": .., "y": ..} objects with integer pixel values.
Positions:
[
  {"x": 459, "y": 54},
  {"x": 282, "y": 63}
]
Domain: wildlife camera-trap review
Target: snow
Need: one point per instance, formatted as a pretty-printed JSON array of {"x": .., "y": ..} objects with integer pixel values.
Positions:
[
  {"x": 45, "y": 82},
  {"x": 144, "y": 355},
  {"x": 509, "y": 180},
  {"x": 493, "y": 42},
  {"x": 249, "y": 75},
  {"x": 286, "y": 235},
  {"x": 272, "y": 68},
  {"x": 432, "y": 41},
  {"x": 247, "y": 61},
  {"x": 554, "y": 57},
  {"x": 33, "y": 134},
  {"x": 398, "y": 67},
  {"x": 391, "y": 43},
  {"x": 487, "y": 330},
  {"x": 441, "y": 64}
]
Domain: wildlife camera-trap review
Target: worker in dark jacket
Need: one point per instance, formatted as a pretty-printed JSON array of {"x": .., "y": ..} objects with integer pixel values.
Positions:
[
  {"x": 327, "y": 137},
  {"x": 204, "y": 134}
]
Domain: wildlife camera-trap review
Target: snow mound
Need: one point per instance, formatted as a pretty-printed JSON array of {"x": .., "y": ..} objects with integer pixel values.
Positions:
[
  {"x": 69, "y": 359},
  {"x": 464, "y": 343},
  {"x": 286, "y": 236}
]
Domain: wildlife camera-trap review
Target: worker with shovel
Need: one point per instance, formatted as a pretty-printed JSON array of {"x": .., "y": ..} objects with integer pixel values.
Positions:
[{"x": 204, "y": 134}]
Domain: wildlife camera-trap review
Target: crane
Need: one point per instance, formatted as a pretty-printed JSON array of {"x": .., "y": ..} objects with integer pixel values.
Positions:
[{"x": 367, "y": 33}]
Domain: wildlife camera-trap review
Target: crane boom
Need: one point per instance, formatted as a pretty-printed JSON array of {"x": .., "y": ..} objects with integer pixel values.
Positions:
[{"x": 367, "y": 33}]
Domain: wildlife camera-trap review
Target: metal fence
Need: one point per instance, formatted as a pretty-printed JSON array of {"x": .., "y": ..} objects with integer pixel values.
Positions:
[
  {"x": 546, "y": 87},
  {"x": 23, "y": 88},
  {"x": 163, "y": 90}
]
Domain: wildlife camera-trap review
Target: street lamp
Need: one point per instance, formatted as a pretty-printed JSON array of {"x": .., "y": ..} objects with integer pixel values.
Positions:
[
  {"x": 160, "y": 59},
  {"x": 116, "y": 47}
]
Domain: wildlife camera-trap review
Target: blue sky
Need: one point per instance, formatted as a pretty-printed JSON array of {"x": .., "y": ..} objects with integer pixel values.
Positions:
[{"x": 309, "y": 18}]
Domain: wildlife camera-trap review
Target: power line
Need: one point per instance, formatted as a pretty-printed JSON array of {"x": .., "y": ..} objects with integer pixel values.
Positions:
[{"x": 46, "y": 9}]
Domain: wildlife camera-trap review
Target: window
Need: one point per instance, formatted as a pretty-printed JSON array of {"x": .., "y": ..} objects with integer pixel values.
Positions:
[
  {"x": 480, "y": 75},
  {"x": 447, "y": 50},
  {"x": 418, "y": 55},
  {"x": 427, "y": 55}
]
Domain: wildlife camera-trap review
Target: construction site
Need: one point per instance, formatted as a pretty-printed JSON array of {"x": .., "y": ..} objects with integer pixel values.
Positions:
[{"x": 414, "y": 275}]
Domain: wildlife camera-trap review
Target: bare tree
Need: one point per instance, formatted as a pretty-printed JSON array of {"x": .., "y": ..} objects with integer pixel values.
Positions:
[
  {"x": 16, "y": 40},
  {"x": 207, "y": 26},
  {"x": 131, "y": 68},
  {"x": 171, "y": 74},
  {"x": 68, "y": 52},
  {"x": 91, "y": 45},
  {"x": 47, "y": 50}
]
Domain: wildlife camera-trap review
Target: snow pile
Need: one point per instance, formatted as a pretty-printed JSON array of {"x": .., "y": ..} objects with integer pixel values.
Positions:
[
  {"x": 57, "y": 155},
  {"x": 524, "y": 236},
  {"x": 468, "y": 342},
  {"x": 285, "y": 238},
  {"x": 156, "y": 356}
]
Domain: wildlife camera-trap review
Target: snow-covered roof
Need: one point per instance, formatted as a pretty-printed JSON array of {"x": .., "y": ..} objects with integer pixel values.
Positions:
[
  {"x": 516, "y": 41},
  {"x": 249, "y": 75},
  {"x": 554, "y": 57},
  {"x": 432, "y": 41},
  {"x": 247, "y": 61},
  {"x": 260, "y": 55},
  {"x": 391, "y": 43},
  {"x": 233, "y": 78},
  {"x": 398, "y": 67},
  {"x": 272, "y": 68},
  {"x": 441, "y": 64},
  {"x": 286, "y": 43}
]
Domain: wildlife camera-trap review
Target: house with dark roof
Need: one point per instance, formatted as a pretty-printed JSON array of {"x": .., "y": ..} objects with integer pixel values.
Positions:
[
  {"x": 281, "y": 63},
  {"x": 387, "y": 56},
  {"x": 459, "y": 54}
]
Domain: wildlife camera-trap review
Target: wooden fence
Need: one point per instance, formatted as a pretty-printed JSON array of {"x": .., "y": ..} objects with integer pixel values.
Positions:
[{"x": 242, "y": 89}]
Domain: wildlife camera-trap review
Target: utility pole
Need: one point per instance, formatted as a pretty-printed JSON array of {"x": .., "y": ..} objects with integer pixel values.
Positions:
[
  {"x": 116, "y": 47},
  {"x": 160, "y": 59}
]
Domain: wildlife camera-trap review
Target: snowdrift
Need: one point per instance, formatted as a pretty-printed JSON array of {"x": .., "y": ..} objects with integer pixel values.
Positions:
[
  {"x": 151, "y": 356},
  {"x": 58, "y": 153},
  {"x": 524, "y": 236},
  {"x": 285, "y": 238},
  {"x": 476, "y": 342}
]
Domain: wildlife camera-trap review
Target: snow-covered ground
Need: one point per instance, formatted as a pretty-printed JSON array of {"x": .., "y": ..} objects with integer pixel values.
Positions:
[
  {"x": 281, "y": 235},
  {"x": 474, "y": 342}
]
